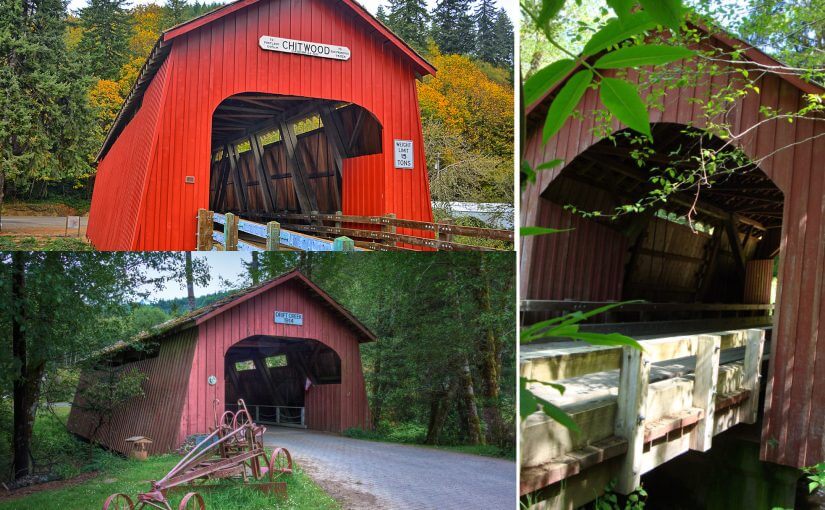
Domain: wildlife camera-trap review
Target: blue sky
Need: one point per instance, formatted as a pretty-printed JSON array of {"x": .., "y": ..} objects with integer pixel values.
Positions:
[
  {"x": 226, "y": 265},
  {"x": 372, "y": 5}
]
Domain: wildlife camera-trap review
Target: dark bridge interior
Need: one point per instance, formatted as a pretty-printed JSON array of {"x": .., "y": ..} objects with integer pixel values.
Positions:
[{"x": 276, "y": 154}]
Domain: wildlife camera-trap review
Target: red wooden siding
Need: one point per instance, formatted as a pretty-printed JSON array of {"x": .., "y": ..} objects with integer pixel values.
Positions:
[
  {"x": 794, "y": 419},
  {"x": 222, "y": 58},
  {"x": 332, "y": 407},
  {"x": 157, "y": 414}
]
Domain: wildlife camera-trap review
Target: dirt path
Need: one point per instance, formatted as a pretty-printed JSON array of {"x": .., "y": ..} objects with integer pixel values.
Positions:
[
  {"x": 39, "y": 225},
  {"x": 367, "y": 474}
]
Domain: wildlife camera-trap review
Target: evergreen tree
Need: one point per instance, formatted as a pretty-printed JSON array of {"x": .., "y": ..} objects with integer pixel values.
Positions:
[
  {"x": 105, "y": 42},
  {"x": 381, "y": 14},
  {"x": 486, "y": 36},
  {"x": 408, "y": 19},
  {"x": 46, "y": 122},
  {"x": 453, "y": 27},
  {"x": 176, "y": 12},
  {"x": 503, "y": 37}
]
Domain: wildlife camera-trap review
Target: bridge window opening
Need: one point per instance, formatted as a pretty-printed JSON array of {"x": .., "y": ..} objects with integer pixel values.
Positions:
[
  {"x": 698, "y": 261},
  {"x": 273, "y": 155},
  {"x": 275, "y": 375}
]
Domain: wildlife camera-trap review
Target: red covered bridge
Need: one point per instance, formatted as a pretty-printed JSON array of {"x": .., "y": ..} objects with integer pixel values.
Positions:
[
  {"x": 710, "y": 283},
  {"x": 285, "y": 347},
  {"x": 263, "y": 107}
]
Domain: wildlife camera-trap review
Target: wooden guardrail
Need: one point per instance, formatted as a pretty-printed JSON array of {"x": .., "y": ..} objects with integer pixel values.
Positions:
[
  {"x": 638, "y": 425},
  {"x": 269, "y": 237},
  {"x": 386, "y": 232}
]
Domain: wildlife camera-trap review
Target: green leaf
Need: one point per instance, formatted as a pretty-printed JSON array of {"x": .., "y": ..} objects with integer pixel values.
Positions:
[
  {"x": 621, "y": 7},
  {"x": 544, "y": 79},
  {"x": 539, "y": 231},
  {"x": 812, "y": 486},
  {"x": 645, "y": 55},
  {"x": 623, "y": 101},
  {"x": 669, "y": 13},
  {"x": 528, "y": 171},
  {"x": 616, "y": 31},
  {"x": 565, "y": 102},
  {"x": 606, "y": 339},
  {"x": 550, "y": 164},
  {"x": 558, "y": 415},
  {"x": 549, "y": 9}
]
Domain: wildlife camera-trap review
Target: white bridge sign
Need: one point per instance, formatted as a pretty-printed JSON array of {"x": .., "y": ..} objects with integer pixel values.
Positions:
[
  {"x": 304, "y": 48},
  {"x": 294, "y": 319}
]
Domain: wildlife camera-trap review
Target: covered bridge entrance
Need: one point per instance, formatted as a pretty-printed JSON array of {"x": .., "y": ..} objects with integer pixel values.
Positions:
[
  {"x": 702, "y": 264},
  {"x": 285, "y": 347},
  {"x": 264, "y": 108}
]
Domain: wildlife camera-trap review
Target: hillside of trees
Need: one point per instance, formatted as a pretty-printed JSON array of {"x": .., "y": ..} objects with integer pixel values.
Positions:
[{"x": 64, "y": 76}]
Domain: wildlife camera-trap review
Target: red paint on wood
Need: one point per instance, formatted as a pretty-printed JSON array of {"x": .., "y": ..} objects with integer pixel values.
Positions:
[{"x": 170, "y": 136}]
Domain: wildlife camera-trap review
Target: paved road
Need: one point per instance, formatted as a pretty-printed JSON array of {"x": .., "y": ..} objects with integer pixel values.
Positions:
[
  {"x": 38, "y": 225},
  {"x": 367, "y": 474}
]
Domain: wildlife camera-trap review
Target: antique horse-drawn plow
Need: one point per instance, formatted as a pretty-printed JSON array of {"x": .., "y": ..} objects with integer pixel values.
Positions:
[{"x": 234, "y": 450}]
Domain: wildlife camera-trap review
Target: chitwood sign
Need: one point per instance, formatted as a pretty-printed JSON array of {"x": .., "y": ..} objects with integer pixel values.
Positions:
[{"x": 311, "y": 49}]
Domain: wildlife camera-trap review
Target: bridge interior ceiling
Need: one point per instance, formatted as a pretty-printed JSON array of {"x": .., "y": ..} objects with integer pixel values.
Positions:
[
  {"x": 271, "y": 371},
  {"x": 275, "y": 154},
  {"x": 737, "y": 218}
]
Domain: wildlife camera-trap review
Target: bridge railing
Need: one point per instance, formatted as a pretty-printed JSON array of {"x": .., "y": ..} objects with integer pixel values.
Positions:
[
  {"x": 286, "y": 416},
  {"x": 636, "y": 425}
]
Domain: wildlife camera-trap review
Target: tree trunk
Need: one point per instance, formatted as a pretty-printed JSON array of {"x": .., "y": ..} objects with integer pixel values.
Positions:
[
  {"x": 378, "y": 387},
  {"x": 255, "y": 269},
  {"x": 490, "y": 368},
  {"x": 21, "y": 434},
  {"x": 2, "y": 196},
  {"x": 190, "y": 281},
  {"x": 469, "y": 398},
  {"x": 439, "y": 408}
]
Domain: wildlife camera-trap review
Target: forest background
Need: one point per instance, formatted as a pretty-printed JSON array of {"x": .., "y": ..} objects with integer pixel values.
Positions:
[{"x": 64, "y": 76}]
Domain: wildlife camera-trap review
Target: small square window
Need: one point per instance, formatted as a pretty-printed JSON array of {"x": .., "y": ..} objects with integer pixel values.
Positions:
[
  {"x": 242, "y": 366},
  {"x": 276, "y": 361}
]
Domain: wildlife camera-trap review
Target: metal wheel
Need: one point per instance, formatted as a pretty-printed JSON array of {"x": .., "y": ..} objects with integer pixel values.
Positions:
[
  {"x": 279, "y": 463},
  {"x": 192, "y": 501},
  {"x": 118, "y": 502}
]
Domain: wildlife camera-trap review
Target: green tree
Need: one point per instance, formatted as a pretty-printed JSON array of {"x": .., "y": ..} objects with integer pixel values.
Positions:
[
  {"x": 793, "y": 30},
  {"x": 486, "y": 37},
  {"x": 176, "y": 12},
  {"x": 452, "y": 27},
  {"x": 408, "y": 19},
  {"x": 107, "y": 28},
  {"x": 46, "y": 123},
  {"x": 503, "y": 38}
]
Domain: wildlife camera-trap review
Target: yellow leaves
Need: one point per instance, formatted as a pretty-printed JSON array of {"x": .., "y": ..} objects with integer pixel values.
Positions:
[
  {"x": 105, "y": 97},
  {"x": 464, "y": 99}
]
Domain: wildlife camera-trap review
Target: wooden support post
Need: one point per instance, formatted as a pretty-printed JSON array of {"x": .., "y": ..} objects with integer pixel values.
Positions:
[
  {"x": 263, "y": 176},
  {"x": 389, "y": 229},
  {"x": 273, "y": 236},
  {"x": 220, "y": 193},
  {"x": 630, "y": 416},
  {"x": 205, "y": 227},
  {"x": 303, "y": 190},
  {"x": 237, "y": 178},
  {"x": 704, "y": 389},
  {"x": 230, "y": 232},
  {"x": 444, "y": 235},
  {"x": 337, "y": 221},
  {"x": 752, "y": 376},
  {"x": 343, "y": 243},
  {"x": 732, "y": 230},
  {"x": 334, "y": 132}
]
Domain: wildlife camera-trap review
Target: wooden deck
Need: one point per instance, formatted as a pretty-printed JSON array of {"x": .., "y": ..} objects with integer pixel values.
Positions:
[{"x": 636, "y": 409}]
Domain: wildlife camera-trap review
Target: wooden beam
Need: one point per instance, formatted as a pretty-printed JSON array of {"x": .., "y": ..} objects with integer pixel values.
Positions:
[
  {"x": 264, "y": 183},
  {"x": 732, "y": 230},
  {"x": 334, "y": 132},
  {"x": 303, "y": 190},
  {"x": 237, "y": 178},
  {"x": 705, "y": 273},
  {"x": 630, "y": 415},
  {"x": 220, "y": 193},
  {"x": 752, "y": 369},
  {"x": 704, "y": 389},
  {"x": 356, "y": 131}
]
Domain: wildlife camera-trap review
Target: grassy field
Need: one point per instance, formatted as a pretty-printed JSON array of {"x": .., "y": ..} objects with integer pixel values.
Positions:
[
  {"x": 47, "y": 243},
  {"x": 58, "y": 206},
  {"x": 112, "y": 473}
]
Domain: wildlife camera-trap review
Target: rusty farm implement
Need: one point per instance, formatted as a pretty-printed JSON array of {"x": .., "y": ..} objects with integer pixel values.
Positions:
[{"x": 233, "y": 451}]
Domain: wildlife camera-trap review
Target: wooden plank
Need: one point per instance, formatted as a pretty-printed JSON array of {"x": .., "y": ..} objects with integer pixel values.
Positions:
[
  {"x": 273, "y": 236},
  {"x": 540, "y": 305},
  {"x": 303, "y": 190},
  {"x": 237, "y": 179},
  {"x": 752, "y": 377},
  {"x": 704, "y": 389},
  {"x": 732, "y": 230},
  {"x": 632, "y": 404},
  {"x": 571, "y": 464},
  {"x": 264, "y": 183},
  {"x": 220, "y": 193},
  {"x": 205, "y": 228}
]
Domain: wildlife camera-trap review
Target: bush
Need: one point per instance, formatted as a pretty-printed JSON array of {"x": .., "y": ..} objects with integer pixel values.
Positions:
[{"x": 409, "y": 433}]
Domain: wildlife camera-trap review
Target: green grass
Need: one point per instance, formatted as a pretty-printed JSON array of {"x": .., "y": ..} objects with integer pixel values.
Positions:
[
  {"x": 412, "y": 434},
  {"x": 131, "y": 477},
  {"x": 52, "y": 206},
  {"x": 9, "y": 242},
  {"x": 68, "y": 457}
]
